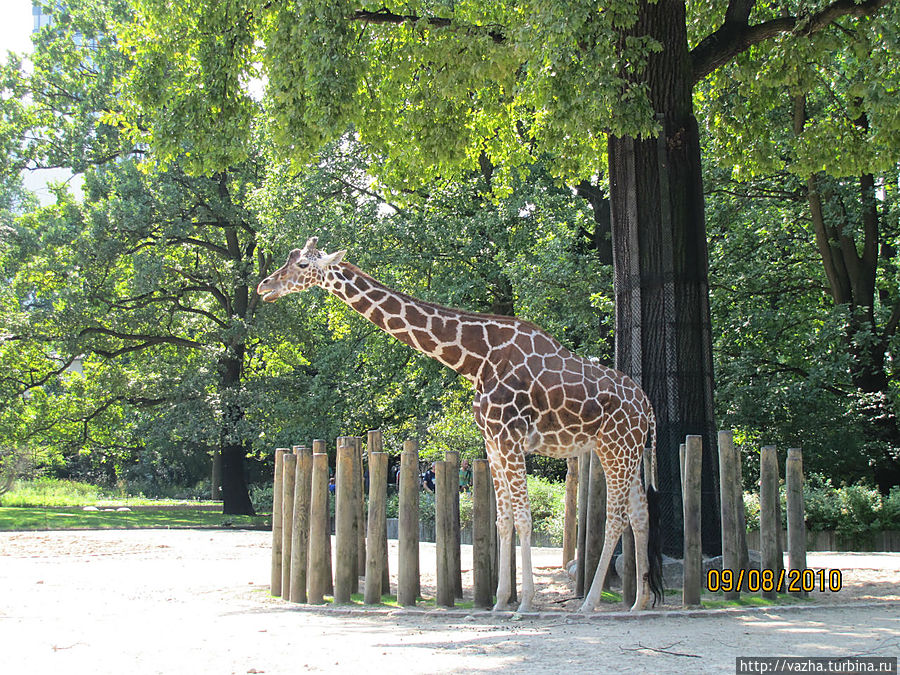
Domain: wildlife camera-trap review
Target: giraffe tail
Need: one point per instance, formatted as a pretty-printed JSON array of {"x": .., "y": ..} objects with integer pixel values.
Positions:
[
  {"x": 654, "y": 535},
  {"x": 651, "y": 479},
  {"x": 654, "y": 547}
]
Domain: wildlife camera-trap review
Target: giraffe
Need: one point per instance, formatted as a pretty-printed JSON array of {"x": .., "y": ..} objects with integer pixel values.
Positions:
[{"x": 532, "y": 395}]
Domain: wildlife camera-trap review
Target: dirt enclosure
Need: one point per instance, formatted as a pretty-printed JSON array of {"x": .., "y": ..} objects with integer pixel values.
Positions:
[{"x": 156, "y": 601}]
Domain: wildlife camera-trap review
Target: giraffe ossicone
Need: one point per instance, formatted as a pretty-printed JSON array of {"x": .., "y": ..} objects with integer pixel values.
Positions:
[{"x": 532, "y": 395}]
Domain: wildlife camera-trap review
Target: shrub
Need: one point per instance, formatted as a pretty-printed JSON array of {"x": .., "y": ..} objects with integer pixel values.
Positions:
[
  {"x": 823, "y": 509},
  {"x": 261, "y": 497},
  {"x": 860, "y": 510},
  {"x": 751, "y": 510},
  {"x": 547, "y": 507},
  {"x": 890, "y": 510},
  {"x": 52, "y": 492},
  {"x": 848, "y": 510}
]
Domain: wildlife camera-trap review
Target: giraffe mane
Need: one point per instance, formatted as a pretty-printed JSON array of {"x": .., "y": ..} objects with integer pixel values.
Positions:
[{"x": 463, "y": 313}]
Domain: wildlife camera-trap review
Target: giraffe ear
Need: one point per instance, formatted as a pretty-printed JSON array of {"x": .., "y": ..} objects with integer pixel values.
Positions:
[{"x": 332, "y": 258}]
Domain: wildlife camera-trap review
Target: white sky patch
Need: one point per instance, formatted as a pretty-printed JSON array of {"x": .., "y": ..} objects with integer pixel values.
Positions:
[{"x": 15, "y": 28}]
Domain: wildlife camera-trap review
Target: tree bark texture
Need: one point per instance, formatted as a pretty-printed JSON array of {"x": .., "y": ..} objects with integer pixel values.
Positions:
[
  {"x": 235, "y": 495},
  {"x": 663, "y": 336}
]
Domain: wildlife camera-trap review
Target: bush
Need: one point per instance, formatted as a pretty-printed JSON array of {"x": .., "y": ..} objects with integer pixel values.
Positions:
[
  {"x": 548, "y": 503},
  {"x": 261, "y": 497},
  {"x": 860, "y": 510},
  {"x": 848, "y": 510},
  {"x": 547, "y": 507},
  {"x": 890, "y": 510},
  {"x": 52, "y": 492},
  {"x": 823, "y": 509}
]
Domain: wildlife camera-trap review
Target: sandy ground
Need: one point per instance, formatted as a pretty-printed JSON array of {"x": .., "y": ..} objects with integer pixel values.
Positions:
[{"x": 156, "y": 601}]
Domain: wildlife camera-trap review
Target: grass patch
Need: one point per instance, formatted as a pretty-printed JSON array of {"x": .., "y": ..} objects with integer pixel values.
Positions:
[
  {"x": 24, "y": 518},
  {"x": 54, "y": 492},
  {"x": 751, "y": 601}
]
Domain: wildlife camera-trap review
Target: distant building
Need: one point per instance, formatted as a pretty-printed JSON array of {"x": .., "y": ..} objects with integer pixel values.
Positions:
[
  {"x": 41, "y": 18},
  {"x": 37, "y": 180}
]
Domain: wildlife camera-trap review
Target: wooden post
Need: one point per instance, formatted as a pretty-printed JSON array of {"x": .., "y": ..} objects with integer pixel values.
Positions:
[
  {"x": 769, "y": 522},
  {"x": 452, "y": 459},
  {"x": 376, "y": 551},
  {"x": 481, "y": 533},
  {"x": 359, "y": 521},
  {"x": 570, "y": 517},
  {"x": 584, "y": 484},
  {"x": 495, "y": 539},
  {"x": 595, "y": 527},
  {"x": 375, "y": 443},
  {"x": 408, "y": 525},
  {"x": 741, "y": 513},
  {"x": 319, "y": 565},
  {"x": 513, "y": 588},
  {"x": 728, "y": 504},
  {"x": 289, "y": 466},
  {"x": 443, "y": 531},
  {"x": 321, "y": 447},
  {"x": 793, "y": 478},
  {"x": 629, "y": 571},
  {"x": 277, "y": 527},
  {"x": 693, "y": 561},
  {"x": 300, "y": 535},
  {"x": 345, "y": 510},
  {"x": 681, "y": 465}
]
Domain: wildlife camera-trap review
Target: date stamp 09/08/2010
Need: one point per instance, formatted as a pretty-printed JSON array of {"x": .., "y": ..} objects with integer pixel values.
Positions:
[{"x": 778, "y": 581}]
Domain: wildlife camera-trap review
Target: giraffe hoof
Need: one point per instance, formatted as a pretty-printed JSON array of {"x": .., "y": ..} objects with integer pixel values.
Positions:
[
  {"x": 639, "y": 608},
  {"x": 585, "y": 609},
  {"x": 525, "y": 607}
]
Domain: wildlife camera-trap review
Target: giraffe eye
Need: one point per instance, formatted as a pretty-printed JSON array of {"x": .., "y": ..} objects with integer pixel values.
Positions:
[{"x": 303, "y": 265}]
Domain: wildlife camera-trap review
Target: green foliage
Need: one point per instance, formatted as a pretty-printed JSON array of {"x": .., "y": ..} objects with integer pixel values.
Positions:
[
  {"x": 261, "y": 497},
  {"x": 547, "y": 507},
  {"x": 500, "y": 80},
  {"x": 849, "y": 510},
  {"x": 194, "y": 189},
  {"x": 22, "y": 518},
  {"x": 52, "y": 492}
]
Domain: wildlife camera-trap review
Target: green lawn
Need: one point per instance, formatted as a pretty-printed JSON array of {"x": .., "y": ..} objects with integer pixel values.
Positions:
[
  {"x": 56, "y": 518},
  {"x": 717, "y": 601}
]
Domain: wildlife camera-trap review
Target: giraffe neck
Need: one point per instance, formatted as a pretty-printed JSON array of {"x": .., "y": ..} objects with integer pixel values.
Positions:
[{"x": 459, "y": 340}]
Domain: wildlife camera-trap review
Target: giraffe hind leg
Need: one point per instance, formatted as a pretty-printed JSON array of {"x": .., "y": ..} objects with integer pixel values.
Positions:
[
  {"x": 504, "y": 538},
  {"x": 615, "y": 524},
  {"x": 640, "y": 525}
]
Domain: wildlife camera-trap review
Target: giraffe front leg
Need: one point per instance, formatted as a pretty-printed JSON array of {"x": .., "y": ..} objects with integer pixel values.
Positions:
[
  {"x": 523, "y": 528},
  {"x": 504, "y": 536}
]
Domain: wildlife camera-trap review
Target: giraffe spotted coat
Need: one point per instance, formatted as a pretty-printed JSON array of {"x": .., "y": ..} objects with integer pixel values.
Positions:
[{"x": 532, "y": 395}]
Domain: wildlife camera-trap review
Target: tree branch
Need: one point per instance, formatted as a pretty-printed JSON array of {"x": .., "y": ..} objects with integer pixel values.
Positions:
[
  {"x": 144, "y": 341},
  {"x": 735, "y": 36},
  {"x": 385, "y": 16},
  {"x": 192, "y": 241}
]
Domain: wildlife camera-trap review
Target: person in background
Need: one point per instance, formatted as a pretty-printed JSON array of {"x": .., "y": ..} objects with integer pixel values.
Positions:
[
  {"x": 465, "y": 476},
  {"x": 428, "y": 478}
]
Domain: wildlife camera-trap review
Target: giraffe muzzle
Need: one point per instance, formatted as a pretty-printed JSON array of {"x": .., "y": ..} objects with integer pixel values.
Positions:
[{"x": 266, "y": 292}]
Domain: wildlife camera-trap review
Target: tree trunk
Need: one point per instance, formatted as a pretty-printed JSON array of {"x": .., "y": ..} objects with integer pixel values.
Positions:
[
  {"x": 235, "y": 495},
  {"x": 663, "y": 336}
]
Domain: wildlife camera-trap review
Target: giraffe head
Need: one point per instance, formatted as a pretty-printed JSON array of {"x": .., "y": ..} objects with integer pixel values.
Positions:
[{"x": 304, "y": 268}]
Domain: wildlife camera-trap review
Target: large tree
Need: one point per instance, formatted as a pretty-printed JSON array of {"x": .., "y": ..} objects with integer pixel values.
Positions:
[
  {"x": 435, "y": 86},
  {"x": 814, "y": 134},
  {"x": 151, "y": 265}
]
